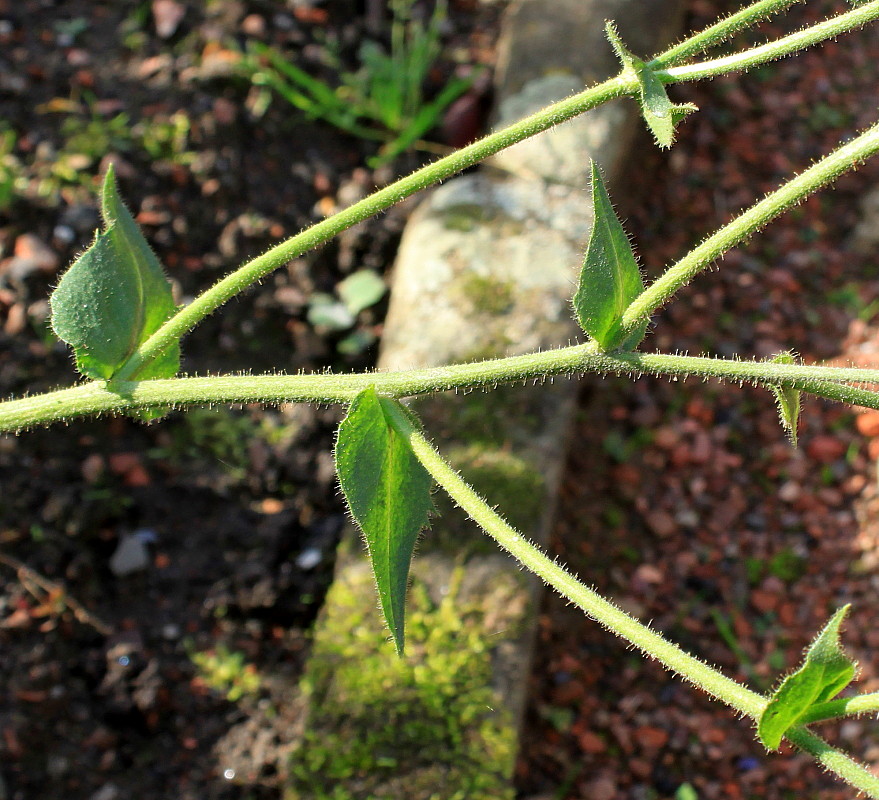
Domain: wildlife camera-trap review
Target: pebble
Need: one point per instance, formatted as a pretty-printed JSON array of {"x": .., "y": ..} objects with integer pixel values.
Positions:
[
  {"x": 81, "y": 218},
  {"x": 64, "y": 235},
  {"x": 57, "y": 766},
  {"x": 868, "y": 423},
  {"x": 789, "y": 491},
  {"x": 92, "y": 468},
  {"x": 661, "y": 523},
  {"x": 604, "y": 788},
  {"x": 109, "y": 791},
  {"x": 590, "y": 742},
  {"x": 651, "y": 738},
  {"x": 309, "y": 558},
  {"x": 31, "y": 247},
  {"x": 254, "y": 25},
  {"x": 167, "y": 15},
  {"x": 825, "y": 449},
  {"x": 131, "y": 556},
  {"x": 171, "y": 632}
]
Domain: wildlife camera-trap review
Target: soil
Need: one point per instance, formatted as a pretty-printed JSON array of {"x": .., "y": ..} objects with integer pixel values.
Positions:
[{"x": 109, "y": 686}]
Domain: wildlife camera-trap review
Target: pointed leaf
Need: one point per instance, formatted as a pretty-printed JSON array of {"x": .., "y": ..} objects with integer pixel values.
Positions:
[
  {"x": 113, "y": 297},
  {"x": 629, "y": 61},
  {"x": 825, "y": 672},
  {"x": 610, "y": 278},
  {"x": 388, "y": 493},
  {"x": 788, "y": 400},
  {"x": 661, "y": 115}
]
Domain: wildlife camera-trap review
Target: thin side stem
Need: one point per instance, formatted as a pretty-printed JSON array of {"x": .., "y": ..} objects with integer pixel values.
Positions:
[
  {"x": 719, "y": 32},
  {"x": 844, "y": 707},
  {"x": 97, "y": 397},
  {"x": 771, "y": 51},
  {"x": 595, "y": 606},
  {"x": 206, "y": 303},
  {"x": 841, "y": 160},
  {"x": 830, "y": 758}
]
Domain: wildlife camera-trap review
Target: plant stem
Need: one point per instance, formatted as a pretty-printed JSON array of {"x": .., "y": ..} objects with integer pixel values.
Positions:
[
  {"x": 624, "y": 84},
  {"x": 613, "y": 618},
  {"x": 737, "y": 62},
  {"x": 206, "y": 303},
  {"x": 601, "y": 610},
  {"x": 841, "y": 160},
  {"x": 835, "y": 761},
  {"x": 719, "y": 32},
  {"x": 844, "y": 707},
  {"x": 97, "y": 397}
]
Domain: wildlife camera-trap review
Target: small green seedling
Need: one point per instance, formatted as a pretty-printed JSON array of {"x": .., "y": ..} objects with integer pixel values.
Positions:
[
  {"x": 384, "y": 99},
  {"x": 227, "y": 671}
]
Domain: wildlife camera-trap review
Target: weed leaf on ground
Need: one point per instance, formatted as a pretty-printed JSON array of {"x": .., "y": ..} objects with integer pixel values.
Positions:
[
  {"x": 788, "y": 400},
  {"x": 114, "y": 297},
  {"x": 609, "y": 279},
  {"x": 825, "y": 672},
  {"x": 388, "y": 493},
  {"x": 361, "y": 290}
]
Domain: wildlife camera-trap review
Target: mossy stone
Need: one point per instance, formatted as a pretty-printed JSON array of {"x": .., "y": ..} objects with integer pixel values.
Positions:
[{"x": 427, "y": 726}]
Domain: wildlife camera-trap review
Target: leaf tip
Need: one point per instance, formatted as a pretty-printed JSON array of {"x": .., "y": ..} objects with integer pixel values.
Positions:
[
  {"x": 622, "y": 52},
  {"x": 788, "y": 400},
  {"x": 109, "y": 195}
]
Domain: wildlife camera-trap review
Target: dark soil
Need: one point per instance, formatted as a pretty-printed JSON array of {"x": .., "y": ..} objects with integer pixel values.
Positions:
[{"x": 238, "y": 511}]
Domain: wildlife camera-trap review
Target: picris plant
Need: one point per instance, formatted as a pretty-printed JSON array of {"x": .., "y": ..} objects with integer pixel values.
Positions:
[
  {"x": 384, "y": 100},
  {"x": 114, "y": 307}
]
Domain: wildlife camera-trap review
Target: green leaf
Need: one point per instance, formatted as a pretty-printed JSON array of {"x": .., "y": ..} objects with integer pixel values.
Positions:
[
  {"x": 609, "y": 279},
  {"x": 788, "y": 400},
  {"x": 114, "y": 297},
  {"x": 686, "y": 792},
  {"x": 361, "y": 289},
  {"x": 661, "y": 115},
  {"x": 388, "y": 493},
  {"x": 825, "y": 672},
  {"x": 629, "y": 61},
  {"x": 326, "y": 312}
]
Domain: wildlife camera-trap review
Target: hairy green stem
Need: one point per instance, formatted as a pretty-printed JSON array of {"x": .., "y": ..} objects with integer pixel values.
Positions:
[
  {"x": 771, "y": 51},
  {"x": 601, "y": 610},
  {"x": 98, "y": 397},
  {"x": 844, "y": 707},
  {"x": 833, "y": 760},
  {"x": 719, "y": 32},
  {"x": 612, "y": 617},
  {"x": 821, "y": 173},
  {"x": 239, "y": 280}
]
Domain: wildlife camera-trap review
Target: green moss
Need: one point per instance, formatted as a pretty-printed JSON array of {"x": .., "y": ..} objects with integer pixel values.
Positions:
[
  {"x": 484, "y": 417},
  {"x": 216, "y": 435},
  {"x": 487, "y": 295},
  {"x": 418, "y": 727},
  {"x": 227, "y": 672},
  {"x": 465, "y": 217},
  {"x": 505, "y": 480}
]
